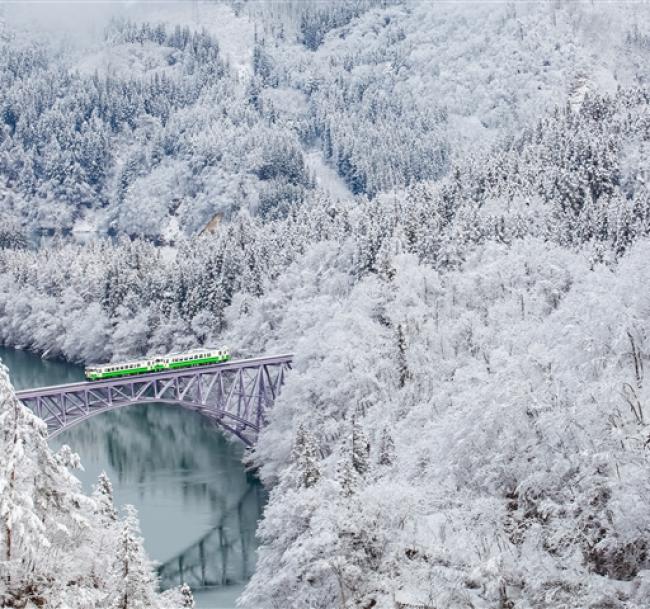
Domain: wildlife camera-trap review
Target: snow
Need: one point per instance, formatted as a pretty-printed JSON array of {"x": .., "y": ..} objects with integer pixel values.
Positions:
[
  {"x": 172, "y": 231},
  {"x": 464, "y": 420},
  {"x": 326, "y": 178},
  {"x": 127, "y": 60},
  {"x": 235, "y": 33}
]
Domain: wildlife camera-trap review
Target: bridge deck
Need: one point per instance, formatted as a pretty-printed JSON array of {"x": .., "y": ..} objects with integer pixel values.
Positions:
[{"x": 230, "y": 365}]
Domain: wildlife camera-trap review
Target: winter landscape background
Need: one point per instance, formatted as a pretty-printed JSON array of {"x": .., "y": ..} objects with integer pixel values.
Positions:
[{"x": 441, "y": 208}]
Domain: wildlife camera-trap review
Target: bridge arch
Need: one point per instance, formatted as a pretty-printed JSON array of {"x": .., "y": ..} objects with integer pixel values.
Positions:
[{"x": 236, "y": 395}]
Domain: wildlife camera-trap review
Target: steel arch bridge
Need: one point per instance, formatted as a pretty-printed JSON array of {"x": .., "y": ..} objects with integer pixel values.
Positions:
[{"x": 236, "y": 395}]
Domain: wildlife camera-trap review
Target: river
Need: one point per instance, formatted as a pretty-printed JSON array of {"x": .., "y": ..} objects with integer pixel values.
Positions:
[{"x": 198, "y": 507}]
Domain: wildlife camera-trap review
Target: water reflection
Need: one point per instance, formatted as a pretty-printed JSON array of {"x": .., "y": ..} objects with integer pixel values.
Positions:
[
  {"x": 184, "y": 475},
  {"x": 222, "y": 557},
  {"x": 198, "y": 507}
]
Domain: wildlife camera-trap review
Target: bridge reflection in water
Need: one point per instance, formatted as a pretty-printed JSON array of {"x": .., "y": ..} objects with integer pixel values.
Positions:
[
  {"x": 198, "y": 507},
  {"x": 225, "y": 555}
]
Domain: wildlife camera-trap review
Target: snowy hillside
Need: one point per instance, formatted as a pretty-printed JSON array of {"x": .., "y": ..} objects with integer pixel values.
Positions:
[
  {"x": 441, "y": 209},
  {"x": 391, "y": 93}
]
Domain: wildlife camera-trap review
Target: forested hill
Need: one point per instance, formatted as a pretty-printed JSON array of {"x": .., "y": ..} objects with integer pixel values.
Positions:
[
  {"x": 163, "y": 130},
  {"x": 465, "y": 424},
  {"x": 170, "y": 119}
]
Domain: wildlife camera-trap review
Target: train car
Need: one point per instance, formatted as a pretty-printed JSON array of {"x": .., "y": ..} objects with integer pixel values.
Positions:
[{"x": 158, "y": 363}]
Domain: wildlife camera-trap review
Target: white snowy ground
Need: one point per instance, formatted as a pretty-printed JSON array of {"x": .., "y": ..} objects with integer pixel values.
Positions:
[{"x": 326, "y": 178}]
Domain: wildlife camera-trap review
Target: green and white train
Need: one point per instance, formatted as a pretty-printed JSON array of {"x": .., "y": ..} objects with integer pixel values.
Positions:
[{"x": 158, "y": 363}]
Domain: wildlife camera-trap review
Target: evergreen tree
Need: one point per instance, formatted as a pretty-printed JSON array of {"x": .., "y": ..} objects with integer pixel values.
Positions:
[
  {"x": 402, "y": 363},
  {"x": 346, "y": 475},
  {"x": 103, "y": 496},
  {"x": 134, "y": 581},
  {"x": 187, "y": 598},
  {"x": 360, "y": 447},
  {"x": 305, "y": 457},
  {"x": 386, "y": 448},
  {"x": 24, "y": 533}
]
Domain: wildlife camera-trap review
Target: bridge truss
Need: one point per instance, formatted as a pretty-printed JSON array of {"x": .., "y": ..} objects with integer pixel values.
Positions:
[{"x": 236, "y": 395}]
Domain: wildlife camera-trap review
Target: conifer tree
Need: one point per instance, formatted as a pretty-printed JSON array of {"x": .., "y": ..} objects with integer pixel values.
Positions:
[
  {"x": 134, "y": 582},
  {"x": 402, "y": 364},
  {"x": 360, "y": 447},
  {"x": 23, "y": 531},
  {"x": 187, "y": 598},
  {"x": 103, "y": 496},
  {"x": 386, "y": 448},
  {"x": 305, "y": 457},
  {"x": 346, "y": 475}
]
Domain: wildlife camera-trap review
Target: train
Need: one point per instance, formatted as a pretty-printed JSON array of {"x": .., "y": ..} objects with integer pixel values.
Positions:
[{"x": 158, "y": 363}]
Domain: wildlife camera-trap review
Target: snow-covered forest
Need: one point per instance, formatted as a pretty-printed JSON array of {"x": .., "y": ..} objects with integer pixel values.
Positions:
[{"x": 462, "y": 276}]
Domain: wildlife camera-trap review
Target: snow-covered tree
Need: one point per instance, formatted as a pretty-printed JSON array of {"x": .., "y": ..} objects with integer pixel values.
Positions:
[
  {"x": 386, "y": 452},
  {"x": 103, "y": 496},
  {"x": 133, "y": 579},
  {"x": 305, "y": 457}
]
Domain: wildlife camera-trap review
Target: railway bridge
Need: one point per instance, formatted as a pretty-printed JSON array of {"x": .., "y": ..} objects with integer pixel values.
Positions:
[{"x": 236, "y": 395}]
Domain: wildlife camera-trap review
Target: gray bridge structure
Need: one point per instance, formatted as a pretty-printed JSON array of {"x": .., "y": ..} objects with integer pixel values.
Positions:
[{"x": 236, "y": 395}]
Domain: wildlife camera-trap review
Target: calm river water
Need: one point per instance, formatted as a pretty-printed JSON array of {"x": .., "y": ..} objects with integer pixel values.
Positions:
[{"x": 198, "y": 507}]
